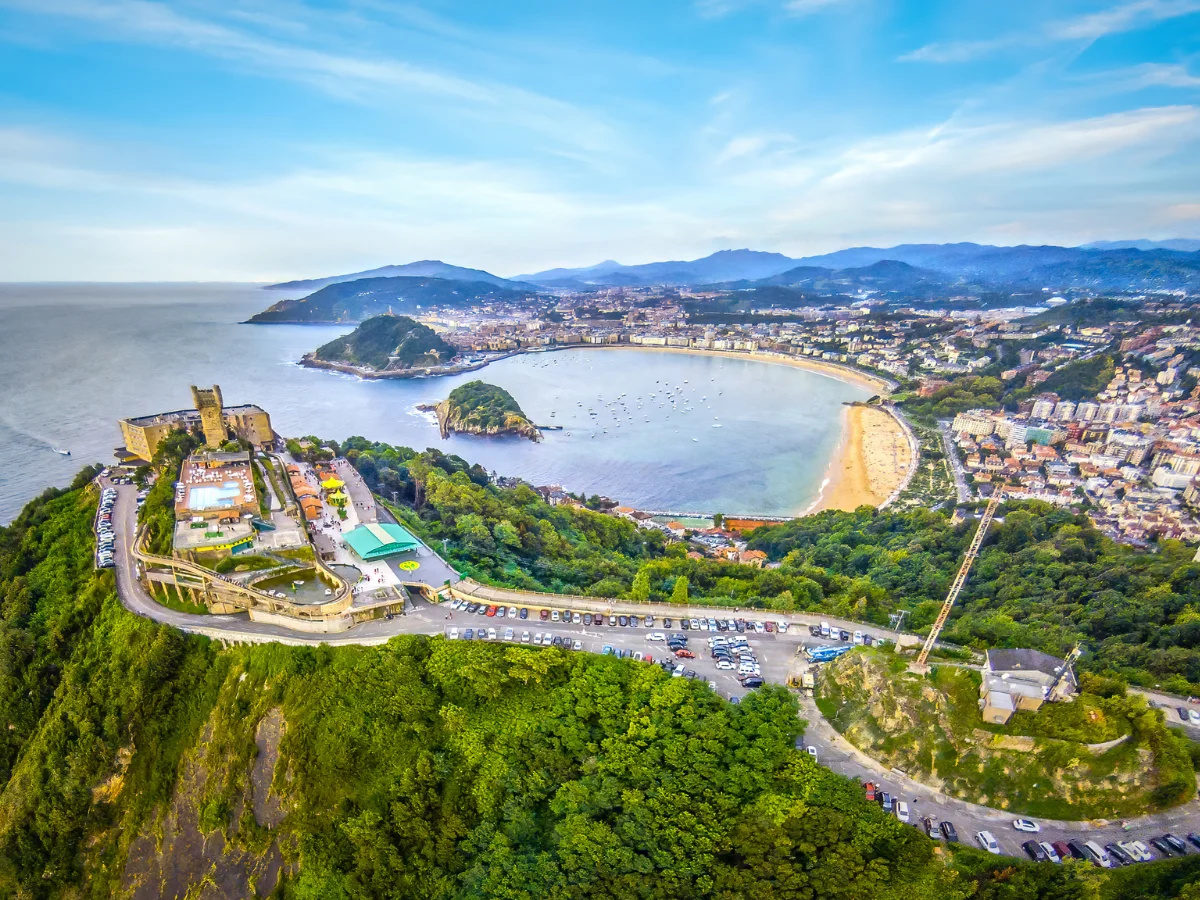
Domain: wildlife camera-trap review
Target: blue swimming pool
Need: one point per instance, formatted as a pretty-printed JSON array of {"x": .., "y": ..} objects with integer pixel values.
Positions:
[{"x": 214, "y": 496}]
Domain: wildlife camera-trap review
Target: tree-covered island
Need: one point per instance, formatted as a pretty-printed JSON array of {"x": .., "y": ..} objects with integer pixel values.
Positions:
[
  {"x": 481, "y": 408},
  {"x": 385, "y": 344}
]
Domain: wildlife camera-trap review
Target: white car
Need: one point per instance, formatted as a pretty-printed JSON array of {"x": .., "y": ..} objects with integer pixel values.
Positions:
[
  {"x": 811, "y": 751},
  {"x": 987, "y": 841},
  {"x": 656, "y": 636},
  {"x": 1027, "y": 825},
  {"x": 1049, "y": 850},
  {"x": 491, "y": 634},
  {"x": 512, "y": 612},
  {"x": 725, "y": 665},
  {"x": 1193, "y": 717},
  {"x": 508, "y": 634},
  {"x": 1137, "y": 850},
  {"x": 524, "y": 637},
  {"x": 858, "y": 637},
  {"x": 902, "y": 811},
  {"x": 537, "y": 638},
  {"x": 577, "y": 645},
  {"x": 454, "y": 634},
  {"x": 782, "y": 627}
]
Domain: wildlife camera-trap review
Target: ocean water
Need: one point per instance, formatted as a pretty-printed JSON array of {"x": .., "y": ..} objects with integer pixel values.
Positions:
[{"x": 74, "y": 358}]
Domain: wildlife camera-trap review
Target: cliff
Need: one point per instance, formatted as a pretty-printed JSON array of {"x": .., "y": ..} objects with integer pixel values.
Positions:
[{"x": 481, "y": 408}]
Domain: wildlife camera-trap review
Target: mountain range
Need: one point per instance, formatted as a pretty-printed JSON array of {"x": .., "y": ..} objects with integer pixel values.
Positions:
[{"x": 1107, "y": 268}]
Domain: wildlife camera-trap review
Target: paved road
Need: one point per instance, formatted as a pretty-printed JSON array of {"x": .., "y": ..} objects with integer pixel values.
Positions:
[
  {"x": 775, "y": 652},
  {"x": 841, "y": 756},
  {"x": 960, "y": 477}
]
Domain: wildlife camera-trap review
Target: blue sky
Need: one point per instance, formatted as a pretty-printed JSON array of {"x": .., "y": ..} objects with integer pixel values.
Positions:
[{"x": 264, "y": 139}]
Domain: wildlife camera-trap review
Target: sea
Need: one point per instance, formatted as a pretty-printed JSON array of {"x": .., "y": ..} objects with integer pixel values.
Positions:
[{"x": 670, "y": 432}]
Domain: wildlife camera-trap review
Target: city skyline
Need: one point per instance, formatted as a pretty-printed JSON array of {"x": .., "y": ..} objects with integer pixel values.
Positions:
[{"x": 179, "y": 140}]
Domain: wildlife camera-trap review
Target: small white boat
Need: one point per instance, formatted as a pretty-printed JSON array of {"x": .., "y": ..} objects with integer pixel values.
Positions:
[
  {"x": 62, "y": 452},
  {"x": 696, "y": 440}
]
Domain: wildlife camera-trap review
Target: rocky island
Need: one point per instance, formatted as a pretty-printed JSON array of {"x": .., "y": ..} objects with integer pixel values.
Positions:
[
  {"x": 481, "y": 408},
  {"x": 384, "y": 346}
]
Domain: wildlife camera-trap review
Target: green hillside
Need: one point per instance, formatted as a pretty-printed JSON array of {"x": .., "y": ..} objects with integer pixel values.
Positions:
[
  {"x": 481, "y": 408},
  {"x": 395, "y": 342},
  {"x": 354, "y": 301}
]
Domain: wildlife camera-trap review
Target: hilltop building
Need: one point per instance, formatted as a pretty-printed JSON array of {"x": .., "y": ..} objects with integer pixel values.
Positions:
[
  {"x": 249, "y": 423},
  {"x": 1022, "y": 679},
  {"x": 215, "y": 502}
]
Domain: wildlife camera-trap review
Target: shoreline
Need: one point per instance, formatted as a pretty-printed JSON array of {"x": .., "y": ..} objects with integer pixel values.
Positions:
[{"x": 871, "y": 465}]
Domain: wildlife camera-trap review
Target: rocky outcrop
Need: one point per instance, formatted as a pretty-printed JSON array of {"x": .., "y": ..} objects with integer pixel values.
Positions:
[{"x": 451, "y": 419}]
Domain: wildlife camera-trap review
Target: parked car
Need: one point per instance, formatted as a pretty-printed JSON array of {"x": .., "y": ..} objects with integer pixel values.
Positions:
[
  {"x": 885, "y": 800},
  {"x": 587, "y": 618},
  {"x": 1061, "y": 848},
  {"x": 1136, "y": 850},
  {"x": 1118, "y": 856},
  {"x": 930, "y": 826},
  {"x": 1161, "y": 846},
  {"x": 1035, "y": 851},
  {"x": 1077, "y": 850},
  {"x": 1027, "y": 825},
  {"x": 1194, "y": 839},
  {"x": 987, "y": 841},
  {"x": 949, "y": 831},
  {"x": 454, "y": 634},
  {"x": 1051, "y": 853},
  {"x": 491, "y": 611},
  {"x": 501, "y": 612},
  {"x": 512, "y": 612},
  {"x": 902, "y": 811},
  {"x": 685, "y": 653},
  {"x": 525, "y": 637},
  {"x": 623, "y": 621},
  {"x": 524, "y": 612},
  {"x": 544, "y": 615},
  {"x": 1194, "y": 717},
  {"x": 869, "y": 791},
  {"x": 1175, "y": 844},
  {"x": 1097, "y": 855},
  {"x": 491, "y": 633},
  {"x": 656, "y": 636},
  {"x": 811, "y": 751},
  {"x": 577, "y": 645},
  {"x": 607, "y": 651}
]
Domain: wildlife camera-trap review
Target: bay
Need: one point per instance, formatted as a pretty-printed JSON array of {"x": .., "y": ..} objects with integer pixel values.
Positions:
[{"x": 75, "y": 358}]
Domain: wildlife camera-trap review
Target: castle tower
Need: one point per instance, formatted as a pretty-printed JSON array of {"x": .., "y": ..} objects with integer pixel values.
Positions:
[{"x": 208, "y": 402}]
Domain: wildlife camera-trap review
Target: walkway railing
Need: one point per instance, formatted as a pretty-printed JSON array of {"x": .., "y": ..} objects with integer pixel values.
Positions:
[{"x": 245, "y": 596}]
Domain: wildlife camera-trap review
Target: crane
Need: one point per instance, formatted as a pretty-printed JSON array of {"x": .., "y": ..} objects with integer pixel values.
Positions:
[{"x": 961, "y": 578}]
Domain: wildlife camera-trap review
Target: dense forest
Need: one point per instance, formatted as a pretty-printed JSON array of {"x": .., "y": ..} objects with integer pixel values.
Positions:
[
  {"x": 1046, "y": 578},
  {"x": 141, "y": 762}
]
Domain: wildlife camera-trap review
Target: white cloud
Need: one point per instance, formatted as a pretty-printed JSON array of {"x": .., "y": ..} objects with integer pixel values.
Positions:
[
  {"x": 1086, "y": 28},
  {"x": 346, "y": 75},
  {"x": 1148, "y": 75}
]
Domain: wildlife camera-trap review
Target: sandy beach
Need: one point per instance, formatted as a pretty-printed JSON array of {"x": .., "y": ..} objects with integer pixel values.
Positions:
[{"x": 872, "y": 461}]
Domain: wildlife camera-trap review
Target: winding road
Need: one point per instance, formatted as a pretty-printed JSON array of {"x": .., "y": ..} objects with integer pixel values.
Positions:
[{"x": 776, "y": 654}]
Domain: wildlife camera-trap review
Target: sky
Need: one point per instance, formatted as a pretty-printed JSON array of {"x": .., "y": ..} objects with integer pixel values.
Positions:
[{"x": 258, "y": 140}]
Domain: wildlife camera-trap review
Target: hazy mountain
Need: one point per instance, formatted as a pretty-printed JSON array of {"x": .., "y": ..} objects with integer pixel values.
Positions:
[
  {"x": 425, "y": 268},
  {"x": 354, "y": 301},
  {"x": 724, "y": 265},
  {"x": 1186, "y": 245}
]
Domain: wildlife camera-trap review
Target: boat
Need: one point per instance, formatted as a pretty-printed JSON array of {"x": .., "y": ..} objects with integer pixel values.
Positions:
[
  {"x": 62, "y": 452},
  {"x": 696, "y": 440}
]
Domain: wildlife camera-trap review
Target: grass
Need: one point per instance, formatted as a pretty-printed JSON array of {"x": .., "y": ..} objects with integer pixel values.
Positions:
[
  {"x": 176, "y": 602},
  {"x": 930, "y": 727},
  {"x": 304, "y": 554},
  {"x": 248, "y": 563}
]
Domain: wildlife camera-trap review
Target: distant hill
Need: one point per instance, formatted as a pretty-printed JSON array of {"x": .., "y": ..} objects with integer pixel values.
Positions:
[
  {"x": 1186, "y": 245},
  {"x": 724, "y": 265},
  {"x": 1033, "y": 267},
  {"x": 388, "y": 342},
  {"x": 354, "y": 301},
  {"x": 425, "y": 268}
]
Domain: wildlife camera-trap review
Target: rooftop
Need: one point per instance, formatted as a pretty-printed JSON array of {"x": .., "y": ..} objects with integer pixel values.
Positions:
[{"x": 370, "y": 542}]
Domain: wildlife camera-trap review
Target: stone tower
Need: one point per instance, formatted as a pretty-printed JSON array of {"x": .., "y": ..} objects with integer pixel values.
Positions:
[{"x": 208, "y": 402}]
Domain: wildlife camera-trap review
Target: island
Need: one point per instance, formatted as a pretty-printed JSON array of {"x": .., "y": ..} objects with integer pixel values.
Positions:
[
  {"x": 481, "y": 408},
  {"x": 392, "y": 345}
]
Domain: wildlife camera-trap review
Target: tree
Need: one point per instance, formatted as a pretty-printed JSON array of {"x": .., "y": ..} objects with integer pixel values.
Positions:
[
  {"x": 641, "y": 586},
  {"x": 679, "y": 593}
]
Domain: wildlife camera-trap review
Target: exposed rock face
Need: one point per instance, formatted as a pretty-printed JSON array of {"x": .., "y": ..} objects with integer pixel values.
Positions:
[
  {"x": 479, "y": 408},
  {"x": 176, "y": 857}
]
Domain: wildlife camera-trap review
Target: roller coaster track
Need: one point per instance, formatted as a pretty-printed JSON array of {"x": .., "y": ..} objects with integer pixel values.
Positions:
[{"x": 961, "y": 578}]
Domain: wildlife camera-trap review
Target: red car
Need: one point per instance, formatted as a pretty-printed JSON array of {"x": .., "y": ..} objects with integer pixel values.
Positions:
[
  {"x": 544, "y": 615},
  {"x": 491, "y": 611},
  {"x": 869, "y": 787},
  {"x": 684, "y": 653}
]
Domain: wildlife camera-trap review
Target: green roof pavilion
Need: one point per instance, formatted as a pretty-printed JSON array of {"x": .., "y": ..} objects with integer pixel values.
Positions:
[{"x": 371, "y": 542}]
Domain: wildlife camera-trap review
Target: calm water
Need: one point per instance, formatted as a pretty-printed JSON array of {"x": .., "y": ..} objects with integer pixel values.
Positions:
[{"x": 75, "y": 358}]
